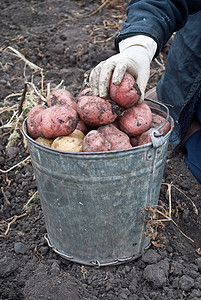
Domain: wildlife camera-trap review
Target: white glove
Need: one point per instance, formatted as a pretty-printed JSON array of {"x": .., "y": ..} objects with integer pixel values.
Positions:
[{"x": 135, "y": 56}]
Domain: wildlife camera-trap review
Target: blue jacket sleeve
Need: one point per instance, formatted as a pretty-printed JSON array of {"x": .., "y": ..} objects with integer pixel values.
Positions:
[{"x": 157, "y": 19}]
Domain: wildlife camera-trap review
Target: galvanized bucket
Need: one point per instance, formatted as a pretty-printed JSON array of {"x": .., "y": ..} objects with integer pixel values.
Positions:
[{"x": 92, "y": 201}]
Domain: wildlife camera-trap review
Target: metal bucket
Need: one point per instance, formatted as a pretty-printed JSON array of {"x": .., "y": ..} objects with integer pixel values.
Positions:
[{"x": 92, "y": 201}]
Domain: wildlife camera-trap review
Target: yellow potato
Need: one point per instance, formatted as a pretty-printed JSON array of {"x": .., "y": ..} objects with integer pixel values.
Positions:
[
  {"x": 77, "y": 133},
  {"x": 68, "y": 143},
  {"x": 44, "y": 141}
]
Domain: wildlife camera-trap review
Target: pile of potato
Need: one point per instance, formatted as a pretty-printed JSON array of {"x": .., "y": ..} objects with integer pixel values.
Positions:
[{"x": 92, "y": 124}]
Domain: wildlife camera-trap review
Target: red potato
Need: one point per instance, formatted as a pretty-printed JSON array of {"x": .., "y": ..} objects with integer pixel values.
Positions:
[
  {"x": 96, "y": 111},
  {"x": 61, "y": 97},
  {"x": 134, "y": 141},
  {"x": 85, "y": 92},
  {"x": 136, "y": 119},
  {"x": 33, "y": 127},
  {"x": 157, "y": 120},
  {"x": 95, "y": 141},
  {"x": 83, "y": 126},
  {"x": 57, "y": 121},
  {"x": 115, "y": 123},
  {"x": 144, "y": 138},
  {"x": 117, "y": 138},
  {"x": 127, "y": 93}
]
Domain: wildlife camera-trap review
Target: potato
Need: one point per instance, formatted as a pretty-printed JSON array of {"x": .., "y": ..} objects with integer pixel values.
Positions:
[
  {"x": 127, "y": 93},
  {"x": 96, "y": 111},
  {"x": 85, "y": 92},
  {"x": 144, "y": 138},
  {"x": 33, "y": 126},
  {"x": 115, "y": 123},
  {"x": 136, "y": 119},
  {"x": 68, "y": 143},
  {"x": 58, "y": 121},
  {"x": 157, "y": 120},
  {"x": 61, "y": 97},
  {"x": 117, "y": 138},
  {"x": 95, "y": 141},
  {"x": 44, "y": 141},
  {"x": 134, "y": 141},
  {"x": 82, "y": 126},
  {"x": 77, "y": 133}
]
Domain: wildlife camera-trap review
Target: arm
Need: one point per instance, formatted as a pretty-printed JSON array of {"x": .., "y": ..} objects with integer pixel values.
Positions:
[
  {"x": 156, "y": 19},
  {"x": 149, "y": 25}
]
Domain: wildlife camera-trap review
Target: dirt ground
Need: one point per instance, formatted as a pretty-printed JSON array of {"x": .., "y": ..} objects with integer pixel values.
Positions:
[{"x": 67, "y": 39}]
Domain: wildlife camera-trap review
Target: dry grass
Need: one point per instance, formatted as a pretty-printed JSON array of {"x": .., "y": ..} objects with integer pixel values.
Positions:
[
  {"x": 117, "y": 5},
  {"x": 29, "y": 97},
  {"x": 6, "y": 225},
  {"x": 111, "y": 26},
  {"x": 157, "y": 215}
]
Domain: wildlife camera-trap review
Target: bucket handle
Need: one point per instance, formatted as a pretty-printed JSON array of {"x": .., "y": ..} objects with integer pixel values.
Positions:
[{"x": 157, "y": 136}]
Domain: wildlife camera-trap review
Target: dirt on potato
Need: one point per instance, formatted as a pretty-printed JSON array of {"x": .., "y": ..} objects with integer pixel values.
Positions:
[{"x": 67, "y": 39}]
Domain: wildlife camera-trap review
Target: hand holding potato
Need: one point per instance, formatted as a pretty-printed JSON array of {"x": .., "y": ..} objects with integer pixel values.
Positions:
[{"x": 135, "y": 56}]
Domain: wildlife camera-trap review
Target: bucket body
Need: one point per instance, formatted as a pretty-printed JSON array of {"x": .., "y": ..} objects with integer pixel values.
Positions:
[{"x": 92, "y": 201}]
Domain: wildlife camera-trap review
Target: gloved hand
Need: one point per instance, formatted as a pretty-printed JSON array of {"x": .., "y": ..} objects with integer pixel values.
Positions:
[{"x": 135, "y": 57}]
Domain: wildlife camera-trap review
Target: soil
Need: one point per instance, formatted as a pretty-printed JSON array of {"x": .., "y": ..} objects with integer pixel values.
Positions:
[{"x": 67, "y": 39}]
